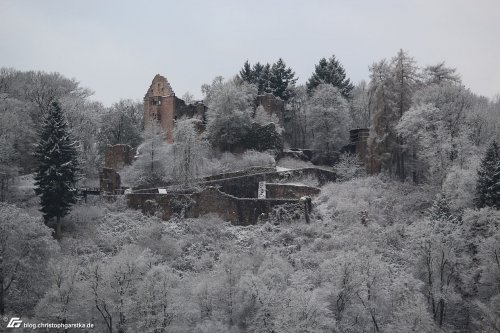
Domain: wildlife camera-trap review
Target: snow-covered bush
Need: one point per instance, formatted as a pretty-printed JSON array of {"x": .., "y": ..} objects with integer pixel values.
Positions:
[
  {"x": 458, "y": 187},
  {"x": 348, "y": 167}
]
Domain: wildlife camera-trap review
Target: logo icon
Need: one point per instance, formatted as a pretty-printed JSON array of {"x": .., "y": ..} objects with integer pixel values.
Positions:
[{"x": 14, "y": 322}]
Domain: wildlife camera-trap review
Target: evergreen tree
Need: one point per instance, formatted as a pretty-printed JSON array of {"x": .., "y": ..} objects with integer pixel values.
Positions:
[
  {"x": 263, "y": 78},
  {"x": 277, "y": 79},
  {"x": 440, "y": 210},
  {"x": 56, "y": 176},
  {"x": 246, "y": 73},
  {"x": 488, "y": 183},
  {"x": 330, "y": 71},
  {"x": 282, "y": 80}
]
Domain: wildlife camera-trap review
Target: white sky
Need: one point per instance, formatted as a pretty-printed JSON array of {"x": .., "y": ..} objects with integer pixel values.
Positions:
[{"x": 116, "y": 47}]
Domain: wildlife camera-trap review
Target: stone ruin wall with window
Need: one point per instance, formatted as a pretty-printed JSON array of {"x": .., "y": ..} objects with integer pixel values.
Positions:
[{"x": 161, "y": 105}]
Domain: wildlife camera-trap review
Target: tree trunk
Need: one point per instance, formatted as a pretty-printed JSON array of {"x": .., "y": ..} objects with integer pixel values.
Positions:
[
  {"x": 2, "y": 304},
  {"x": 58, "y": 227}
]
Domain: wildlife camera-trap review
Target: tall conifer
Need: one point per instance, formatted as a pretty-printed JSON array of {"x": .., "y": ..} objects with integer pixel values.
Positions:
[
  {"x": 488, "y": 182},
  {"x": 56, "y": 176},
  {"x": 330, "y": 71}
]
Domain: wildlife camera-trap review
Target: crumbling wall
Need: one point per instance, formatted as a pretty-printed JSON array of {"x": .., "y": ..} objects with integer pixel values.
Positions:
[
  {"x": 239, "y": 211},
  {"x": 109, "y": 181},
  {"x": 248, "y": 186},
  {"x": 159, "y": 106},
  {"x": 117, "y": 156},
  {"x": 358, "y": 143},
  {"x": 272, "y": 105},
  {"x": 290, "y": 191},
  {"x": 162, "y": 106},
  {"x": 196, "y": 110}
]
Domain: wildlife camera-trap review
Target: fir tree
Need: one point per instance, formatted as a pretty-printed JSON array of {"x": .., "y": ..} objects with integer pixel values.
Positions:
[
  {"x": 488, "y": 182},
  {"x": 277, "y": 79},
  {"x": 246, "y": 73},
  {"x": 263, "y": 78},
  {"x": 56, "y": 176},
  {"x": 330, "y": 71},
  {"x": 282, "y": 80},
  {"x": 440, "y": 210}
]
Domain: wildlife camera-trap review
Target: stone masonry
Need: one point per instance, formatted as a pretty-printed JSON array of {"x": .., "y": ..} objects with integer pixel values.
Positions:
[
  {"x": 234, "y": 198},
  {"x": 162, "y": 106},
  {"x": 117, "y": 156},
  {"x": 272, "y": 105}
]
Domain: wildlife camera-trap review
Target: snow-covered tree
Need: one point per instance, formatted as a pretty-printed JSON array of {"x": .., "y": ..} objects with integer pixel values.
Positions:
[
  {"x": 330, "y": 71},
  {"x": 457, "y": 187},
  {"x": 277, "y": 78},
  {"x": 25, "y": 99},
  {"x": 282, "y": 80},
  {"x": 439, "y": 73},
  {"x": 360, "y": 106},
  {"x": 230, "y": 107},
  {"x": 56, "y": 176},
  {"x": 64, "y": 300},
  {"x": 188, "y": 97},
  {"x": 488, "y": 178},
  {"x": 382, "y": 141},
  {"x": 8, "y": 166},
  {"x": 154, "y": 161},
  {"x": 189, "y": 152},
  {"x": 423, "y": 132},
  {"x": 122, "y": 124},
  {"x": 349, "y": 167},
  {"x": 156, "y": 304},
  {"x": 246, "y": 73},
  {"x": 329, "y": 119},
  {"x": 406, "y": 79},
  {"x": 435, "y": 131},
  {"x": 295, "y": 131},
  {"x": 84, "y": 118},
  {"x": 392, "y": 86},
  {"x": 25, "y": 249},
  {"x": 111, "y": 282}
]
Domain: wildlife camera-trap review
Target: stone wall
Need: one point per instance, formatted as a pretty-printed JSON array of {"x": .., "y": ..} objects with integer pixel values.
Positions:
[
  {"x": 162, "y": 106},
  {"x": 248, "y": 171},
  {"x": 272, "y": 105},
  {"x": 117, "y": 156},
  {"x": 290, "y": 191},
  {"x": 248, "y": 186},
  {"x": 196, "y": 110},
  {"x": 358, "y": 143},
  {"x": 239, "y": 211},
  {"x": 109, "y": 181}
]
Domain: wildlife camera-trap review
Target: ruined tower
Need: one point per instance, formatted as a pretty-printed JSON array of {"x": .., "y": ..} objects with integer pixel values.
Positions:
[
  {"x": 159, "y": 106},
  {"x": 162, "y": 106}
]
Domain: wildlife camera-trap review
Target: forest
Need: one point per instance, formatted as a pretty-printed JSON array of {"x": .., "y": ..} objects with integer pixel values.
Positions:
[{"x": 406, "y": 239}]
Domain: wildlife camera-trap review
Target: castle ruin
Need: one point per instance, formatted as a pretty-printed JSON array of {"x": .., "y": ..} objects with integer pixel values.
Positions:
[
  {"x": 162, "y": 106},
  {"x": 242, "y": 197}
]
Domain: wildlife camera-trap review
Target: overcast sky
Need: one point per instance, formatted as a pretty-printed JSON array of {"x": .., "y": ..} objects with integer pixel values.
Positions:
[{"x": 116, "y": 47}]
